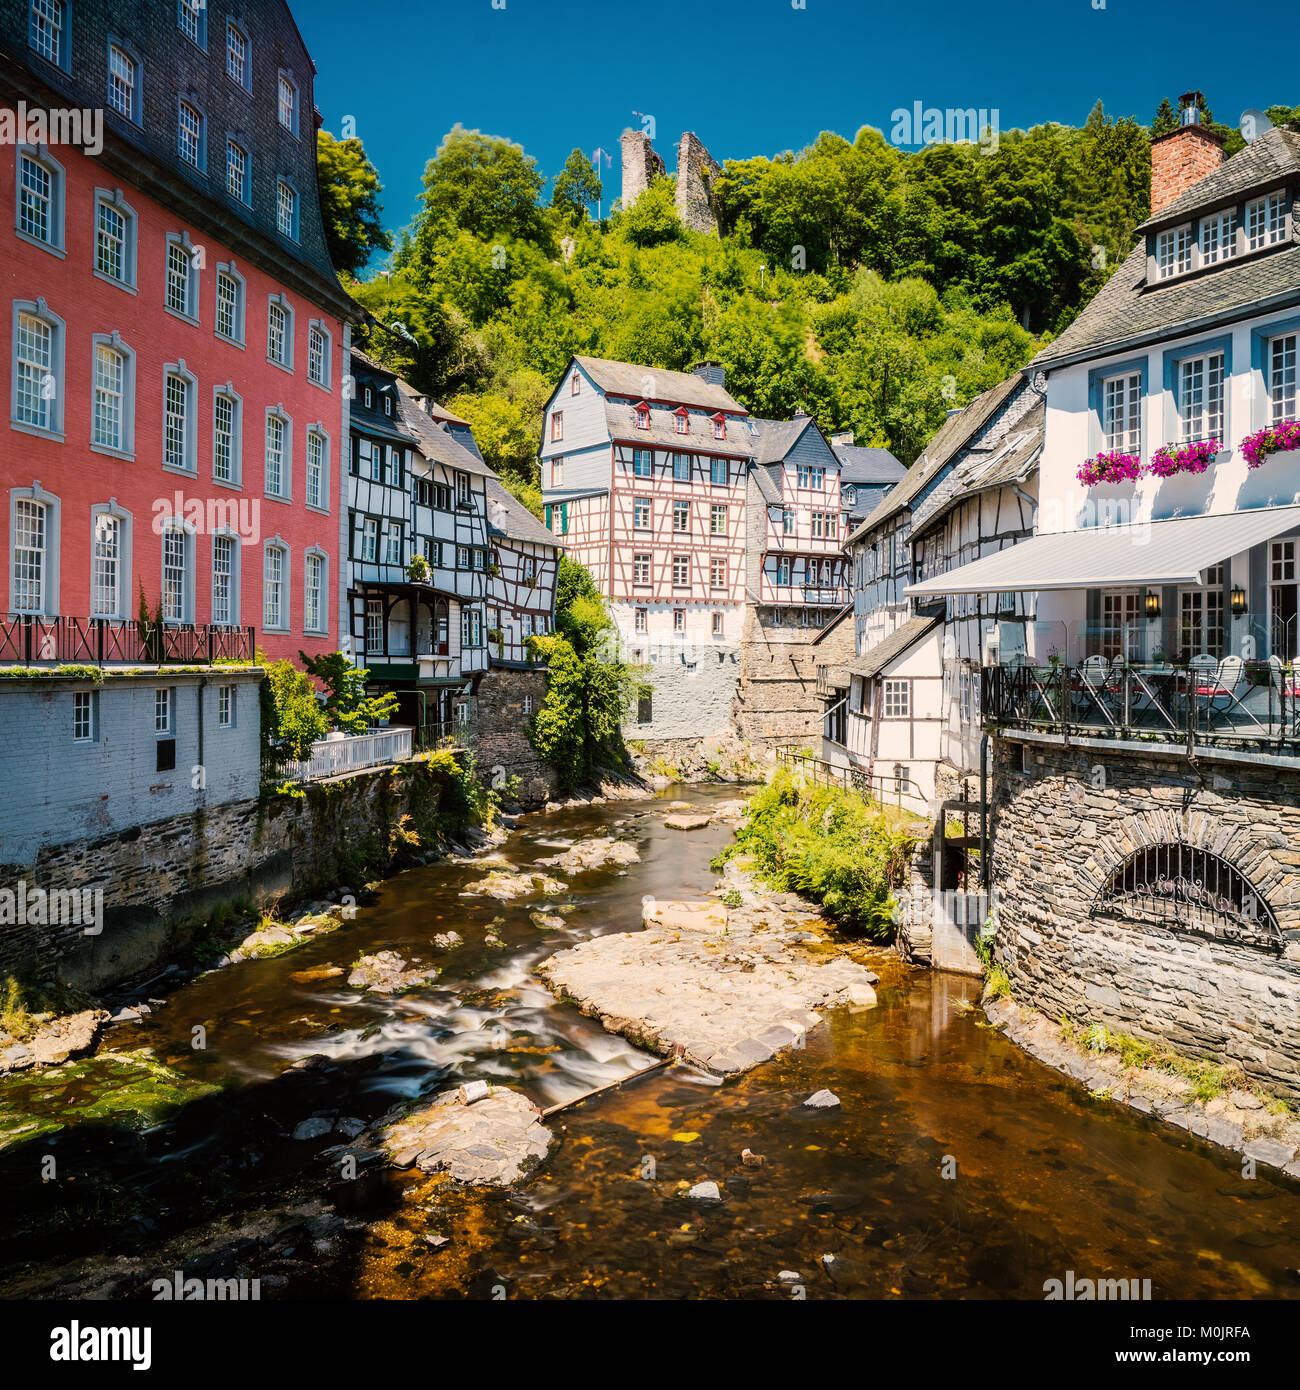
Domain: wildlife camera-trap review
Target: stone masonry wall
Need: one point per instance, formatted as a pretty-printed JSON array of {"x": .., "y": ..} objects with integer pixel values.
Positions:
[
  {"x": 776, "y": 696},
  {"x": 160, "y": 880},
  {"x": 498, "y": 731},
  {"x": 1066, "y": 817},
  {"x": 696, "y": 170},
  {"x": 691, "y": 690},
  {"x": 641, "y": 165}
]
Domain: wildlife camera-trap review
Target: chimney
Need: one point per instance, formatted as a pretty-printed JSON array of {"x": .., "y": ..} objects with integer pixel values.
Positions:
[
  {"x": 1183, "y": 157},
  {"x": 800, "y": 413},
  {"x": 842, "y": 440},
  {"x": 712, "y": 372}
]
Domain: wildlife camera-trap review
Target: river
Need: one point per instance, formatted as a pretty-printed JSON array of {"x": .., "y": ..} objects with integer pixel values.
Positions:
[{"x": 956, "y": 1166}]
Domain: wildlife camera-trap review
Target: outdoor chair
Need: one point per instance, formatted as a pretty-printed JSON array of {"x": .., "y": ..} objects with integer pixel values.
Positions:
[{"x": 1222, "y": 690}]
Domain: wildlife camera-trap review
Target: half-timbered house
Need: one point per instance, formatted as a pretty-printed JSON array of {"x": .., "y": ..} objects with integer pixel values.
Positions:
[{"x": 522, "y": 571}]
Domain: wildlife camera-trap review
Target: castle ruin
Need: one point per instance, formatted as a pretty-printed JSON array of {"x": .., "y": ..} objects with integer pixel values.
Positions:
[{"x": 696, "y": 170}]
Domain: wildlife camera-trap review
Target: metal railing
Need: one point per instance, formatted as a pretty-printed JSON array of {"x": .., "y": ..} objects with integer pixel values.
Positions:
[
  {"x": 440, "y": 733},
  {"x": 1256, "y": 707},
  {"x": 30, "y": 639},
  {"x": 335, "y": 757},
  {"x": 879, "y": 786}
]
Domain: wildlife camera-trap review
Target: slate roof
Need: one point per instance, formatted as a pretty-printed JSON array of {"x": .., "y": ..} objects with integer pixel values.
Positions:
[
  {"x": 620, "y": 420},
  {"x": 777, "y": 437},
  {"x": 676, "y": 388},
  {"x": 951, "y": 436},
  {"x": 865, "y": 467},
  {"x": 507, "y": 516},
  {"x": 893, "y": 646},
  {"x": 1127, "y": 312},
  {"x": 433, "y": 440}
]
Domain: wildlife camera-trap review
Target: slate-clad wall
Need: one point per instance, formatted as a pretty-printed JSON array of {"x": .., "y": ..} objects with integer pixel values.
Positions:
[{"x": 1066, "y": 817}]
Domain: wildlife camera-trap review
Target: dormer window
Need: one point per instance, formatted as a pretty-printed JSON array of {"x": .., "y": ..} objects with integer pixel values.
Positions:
[
  {"x": 682, "y": 420},
  {"x": 388, "y": 404},
  {"x": 643, "y": 416},
  {"x": 1265, "y": 221},
  {"x": 1219, "y": 237},
  {"x": 1174, "y": 252},
  {"x": 719, "y": 427},
  {"x": 370, "y": 399}
]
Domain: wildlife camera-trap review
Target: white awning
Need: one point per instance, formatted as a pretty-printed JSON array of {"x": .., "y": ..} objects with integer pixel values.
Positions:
[{"x": 1178, "y": 551}]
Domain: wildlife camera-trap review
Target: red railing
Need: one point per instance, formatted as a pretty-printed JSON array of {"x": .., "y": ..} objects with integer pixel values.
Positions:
[{"x": 28, "y": 640}]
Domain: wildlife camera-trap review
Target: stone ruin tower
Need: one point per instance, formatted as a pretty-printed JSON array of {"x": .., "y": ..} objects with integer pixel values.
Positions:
[{"x": 696, "y": 170}]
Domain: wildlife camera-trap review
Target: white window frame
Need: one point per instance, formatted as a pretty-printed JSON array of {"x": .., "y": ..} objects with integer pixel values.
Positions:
[
  {"x": 47, "y": 28},
  {"x": 239, "y": 55},
  {"x": 897, "y": 701},
  {"x": 226, "y": 694},
  {"x": 1218, "y": 239},
  {"x": 83, "y": 716},
  {"x": 116, "y": 82},
  {"x": 180, "y": 242},
  {"x": 281, "y": 302},
  {"x": 1264, "y": 221},
  {"x": 121, "y": 561},
  {"x": 112, "y": 200},
  {"x": 681, "y": 566},
  {"x": 276, "y": 548},
  {"x": 35, "y": 501},
  {"x": 291, "y": 125},
  {"x": 174, "y": 526},
  {"x": 198, "y": 12},
  {"x": 124, "y": 448},
  {"x": 315, "y": 556},
  {"x": 244, "y": 193},
  {"x": 317, "y": 331},
  {"x": 277, "y": 415},
  {"x": 228, "y": 393},
  {"x": 1174, "y": 251},
  {"x": 1201, "y": 396},
  {"x": 1121, "y": 412},
  {"x": 162, "y": 711},
  {"x": 50, "y": 387},
  {"x": 221, "y": 539},
  {"x": 318, "y": 434},
  {"x": 229, "y": 275},
  {"x": 178, "y": 372},
  {"x": 40, "y": 159},
  {"x": 1282, "y": 381},
  {"x": 286, "y": 194},
  {"x": 198, "y": 136}
]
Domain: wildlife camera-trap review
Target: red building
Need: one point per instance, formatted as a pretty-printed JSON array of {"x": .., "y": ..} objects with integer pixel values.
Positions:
[{"x": 174, "y": 337}]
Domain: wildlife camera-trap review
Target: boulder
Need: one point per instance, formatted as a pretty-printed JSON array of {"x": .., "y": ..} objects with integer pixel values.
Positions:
[
  {"x": 70, "y": 1036},
  {"x": 822, "y": 1100},
  {"x": 385, "y": 973},
  {"x": 495, "y": 1141}
]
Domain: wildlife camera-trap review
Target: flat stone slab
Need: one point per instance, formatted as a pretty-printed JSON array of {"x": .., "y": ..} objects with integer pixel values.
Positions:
[
  {"x": 729, "y": 989},
  {"x": 506, "y": 886},
  {"x": 685, "y": 822},
  {"x": 495, "y": 1140},
  {"x": 70, "y": 1036},
  {"x": 593, "y": 853}
]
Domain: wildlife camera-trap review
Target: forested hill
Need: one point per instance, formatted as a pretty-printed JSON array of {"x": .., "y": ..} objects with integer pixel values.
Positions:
[{"x": 924, "y": 277}]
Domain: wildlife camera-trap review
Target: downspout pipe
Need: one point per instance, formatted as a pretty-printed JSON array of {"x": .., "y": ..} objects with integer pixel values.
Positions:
[{"x": 985, "y": 866}]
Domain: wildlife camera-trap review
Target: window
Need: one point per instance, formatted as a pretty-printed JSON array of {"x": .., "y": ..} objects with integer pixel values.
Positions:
[
  {"x": 679, "y": 620},
  {"x": 640, "y": 569},
  {"x": 717, "y": 520},
  {"x": 1122, "y": 624},
  {"x": 639, "y": 618},
  {"x": 718, "y": 629},
  {"x": 717, "y": 572},
  {"x": 178, "y": 441},
  {"x": 392, "y": 543},
  {"x": 643, "y": 417},
  {"x": 276, "y": 432},
  {"x": 644, "y": 709},
  {"x": 681, "y": 571},
  {"x": 181, "y": 276},
  {"x": 173, "y": 562},
  {"x": 681, "y": 422},
  {"x": 313, "y": 605},
  {"x": 40, "y": 198},
  {"x": 237, "y": 66},
  {"x": 557, "y": 472},
  {"x": 278, "y": 340},
  {"x": 681, "y": 517},
  {"x": 898, "y": 700},
  {"x": 36, "y": 395},
  {"x": 115, "y": 241},
  {"x": 274, "y": 613},
  {"x": 1200, "y": 397},
  {"x": 681, "y": 468},
  {"x": 288, "y": 104},
  {"x": 123, "y": 86},
  {"x": 237, "y": 171},
  {"x": 374, "y": 625},
  {"x": 318, "y": 358},
  {"x": 642, "y": 466},
  {"x": 83, "y": 716},
  {"x": 1173, "y": 252},
  {"x": 575, "y": 384},
  {"x": 108, "y": 427},
  {"x": 787, "y": 521},
  {"x": 223, "y": 580},
  {"x": 30, "y": 555},
  {"x": 818, "y": 523},
  {"x": 106, "y": 567},
  {"x": 814, "y": 478},
  {"x": 462, "y": 557},
  {"x": 462, "y": 490},
  {"x": 1282, "y": 378},
  {"x": 189, "y": 135},
  {"x": 719, "y": 428},
  {"x": 370, "y": 539},
  {"x": 783, "y": 570},
  {"x": 557, "y": 426},
  {"x": 719, "y": 472},
  {"x": 471, "y": 627},
  {"x": 225, "y": 438},
  {"x": 528, "y": 705},
  {"x": 1219, "y": 237},
  {"x": 641, "y": 513},
  {"x": 388, "y": 404},
  {"x": 1121, "y": 412},
  {"x": 230, "y": 306},
  {"x": 45, "y": 30},
  {"x": 225, "y": 699},
  {"x": 162, "y": 711},
  {"x": 191, "y": 20},
  {"x": 1265, "y": 221},
  {"x": 286, "y": 210},
  {"x": 316, "y": 469},
  {"x": 1200, "y": 616}
]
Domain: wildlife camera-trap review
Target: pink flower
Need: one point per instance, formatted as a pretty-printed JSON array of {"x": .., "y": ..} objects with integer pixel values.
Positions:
[
  {"x": 1112, "y": 467},
  {"x": 1170, "y": 459},
  {"x": 1271, "y": 439}
]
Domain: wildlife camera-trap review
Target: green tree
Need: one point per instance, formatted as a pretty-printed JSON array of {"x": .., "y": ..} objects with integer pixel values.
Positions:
[
  {"x": 347, "y": 705},
  {"x": 577, "y": 186},
  {"x": 349, "y": 198},
  {"x": 292, "y": 716},
  {"x": 652, "y": 220},
  {"x": 1165, "y": 119}
]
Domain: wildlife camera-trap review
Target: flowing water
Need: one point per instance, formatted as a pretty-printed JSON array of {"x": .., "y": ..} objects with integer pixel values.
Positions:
[{"x": 955, "y": 1167}]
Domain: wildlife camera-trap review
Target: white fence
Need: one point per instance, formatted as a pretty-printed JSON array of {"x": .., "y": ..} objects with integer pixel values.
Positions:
[{"x": 333, "y": 757}]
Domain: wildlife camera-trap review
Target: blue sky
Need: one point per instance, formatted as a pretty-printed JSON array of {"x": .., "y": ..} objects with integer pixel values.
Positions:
[{"x": 759, "y": 76}]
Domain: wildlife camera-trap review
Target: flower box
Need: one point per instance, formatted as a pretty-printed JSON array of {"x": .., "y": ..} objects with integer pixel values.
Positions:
[
  {"x": 1111, "y": 467},
  {"x": 1170, "y": 459},
  {"x": 1272, "y": 439}
]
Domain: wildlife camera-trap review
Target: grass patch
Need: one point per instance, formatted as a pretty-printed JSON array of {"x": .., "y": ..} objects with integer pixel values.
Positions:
[{"x": 1207, "y": 1080}]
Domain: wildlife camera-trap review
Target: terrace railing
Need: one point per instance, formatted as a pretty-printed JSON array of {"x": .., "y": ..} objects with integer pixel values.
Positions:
[
  {"x": 1257, "y": 706},
  {"x": 30, "y": 640},
  {"x": 336, "y": 757}
]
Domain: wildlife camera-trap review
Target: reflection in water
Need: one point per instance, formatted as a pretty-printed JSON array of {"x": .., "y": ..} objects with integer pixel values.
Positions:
[{"x": 1042, "y": 1178}]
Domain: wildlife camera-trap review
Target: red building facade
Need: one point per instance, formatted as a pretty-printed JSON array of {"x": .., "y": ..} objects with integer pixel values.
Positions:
[{"x": 174, "y": 338}]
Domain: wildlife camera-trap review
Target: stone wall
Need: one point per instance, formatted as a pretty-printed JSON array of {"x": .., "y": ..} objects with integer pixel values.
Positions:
[
  {"x": 696, "y": 170},
  {"x": 692, "y": 687},
  {"x": 776, "y": 695},
  {"x": 161, "y": 881},
  {"x": 498, "y": 731},
  {"x": 641, "y": 165},
  {"x": 1064, "y": 818}
]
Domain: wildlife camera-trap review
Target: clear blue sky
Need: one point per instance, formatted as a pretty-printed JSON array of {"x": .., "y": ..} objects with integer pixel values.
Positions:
[{"x": 759, "y": 76}]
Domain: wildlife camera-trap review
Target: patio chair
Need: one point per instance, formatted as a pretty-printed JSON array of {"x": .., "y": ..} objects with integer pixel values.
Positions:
[
  {"x": 1096, "y": 686},
  {"x": 1222, "y": 690}
]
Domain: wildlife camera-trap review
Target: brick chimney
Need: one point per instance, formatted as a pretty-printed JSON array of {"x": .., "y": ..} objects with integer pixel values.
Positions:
[{"x": 1183, "y": 157}]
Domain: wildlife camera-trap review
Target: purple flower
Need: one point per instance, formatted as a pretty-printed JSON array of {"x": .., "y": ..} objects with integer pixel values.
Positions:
[{"x": 1113, "y": 467}]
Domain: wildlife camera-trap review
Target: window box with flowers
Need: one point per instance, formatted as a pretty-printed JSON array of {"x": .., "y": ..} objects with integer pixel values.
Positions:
[
  {"x": 1113, "y": 467},
  {"x": 418, "y": 571},
  {"x": 1171, "y": 459},
  {"x": 1272, "y": 439}
]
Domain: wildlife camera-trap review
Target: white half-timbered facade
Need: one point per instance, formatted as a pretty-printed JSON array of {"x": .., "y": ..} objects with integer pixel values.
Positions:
[{"x": 522, "y": 572}]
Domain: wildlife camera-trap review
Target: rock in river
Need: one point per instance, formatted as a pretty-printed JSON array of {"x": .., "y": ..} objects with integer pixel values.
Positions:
[
  {"x": 594, "y": 853},
  {"x": 505, "y": 886},
  {"x": 385, "y": 973},
  {"x": 496, "y": 1140}
]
